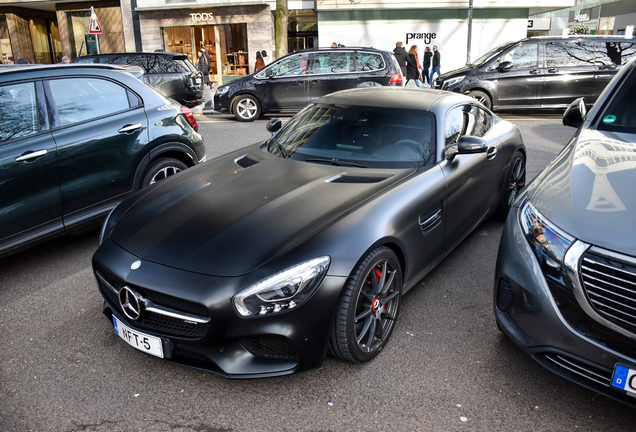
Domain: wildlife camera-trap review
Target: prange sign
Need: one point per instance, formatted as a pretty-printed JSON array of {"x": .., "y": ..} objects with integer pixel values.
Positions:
[{"x": 426, "y": 37}]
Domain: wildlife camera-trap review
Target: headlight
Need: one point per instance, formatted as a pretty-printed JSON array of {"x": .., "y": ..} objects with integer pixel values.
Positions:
[
  {"x": 548, "y": 242},
  {"x": 453, "y": 81},
  {"x": 284, "y": 290},
  {"x": 222, "y": 90}
]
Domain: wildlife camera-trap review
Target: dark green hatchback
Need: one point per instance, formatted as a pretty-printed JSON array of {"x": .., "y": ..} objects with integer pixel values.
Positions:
[{"x": 77, "y": 139}]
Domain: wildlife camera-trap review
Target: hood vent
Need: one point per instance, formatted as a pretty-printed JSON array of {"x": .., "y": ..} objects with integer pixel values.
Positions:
[
  {"x": 344, "y": 178},
  {"x": 246, "y": 161}
]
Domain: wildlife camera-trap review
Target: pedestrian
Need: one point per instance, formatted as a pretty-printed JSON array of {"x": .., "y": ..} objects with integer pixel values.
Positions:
[
  {"x": 59, "y": 58},
  {"x": 334, "y": 45},
  {"x": 401, "y": 56},
  {"x": 66, "y": 60},
  {"x": 436, "y": 64},
  {"x": 207, "y": 56},
  {"x": 260, "y": 64},
  {"x": 426, "y": 65},
  {"x": 203, "y": 65},
  {"x": 265, "y": 58},
  {"x": 21, "y": 60},
  {"x": 413, "y": 68}
]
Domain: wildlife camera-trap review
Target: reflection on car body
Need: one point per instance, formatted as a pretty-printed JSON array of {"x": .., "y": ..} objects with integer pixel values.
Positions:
[{"x": 261, "y": 261}]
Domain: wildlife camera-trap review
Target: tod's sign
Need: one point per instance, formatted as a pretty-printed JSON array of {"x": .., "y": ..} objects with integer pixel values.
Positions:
[{"x": 201, "y": 16}]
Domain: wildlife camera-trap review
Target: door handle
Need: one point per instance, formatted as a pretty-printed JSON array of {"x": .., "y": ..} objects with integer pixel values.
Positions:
[
  {"x": 535, "y": 71},
  {"x": 127, "y": 129},
  {"x": 553, "y": 70},
  {"x": 492, "y": 152},
  {"x": 31, "y": 155}
]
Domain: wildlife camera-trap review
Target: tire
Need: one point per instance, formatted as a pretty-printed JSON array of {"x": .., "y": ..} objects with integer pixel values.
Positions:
[
  {"x": 161, "y": 169},
  {"x": 247, "y": 108},
  {"x": 515, "y": 179},
  {"x": 376, "y": 304},
  {"x": 481, "y": 97}
]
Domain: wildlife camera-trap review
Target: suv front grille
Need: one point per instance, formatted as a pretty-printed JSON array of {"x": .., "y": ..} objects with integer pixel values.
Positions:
[
  {"x": 158, "y": 323},
  {"x": 579, "y": 368},
  {"x": 610, "y": 287}
]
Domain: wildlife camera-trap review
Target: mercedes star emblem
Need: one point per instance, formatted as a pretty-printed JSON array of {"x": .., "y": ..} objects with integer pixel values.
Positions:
[{"x": 130, "y": 303}]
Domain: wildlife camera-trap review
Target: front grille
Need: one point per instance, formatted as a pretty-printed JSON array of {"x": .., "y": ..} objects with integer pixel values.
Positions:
[
  {"x": 270, "y": 347},
  {"x": 504, "y": 295},
  {"x": 599, "y": 376},
  {"x": 609, "y": 282},
  {"x": 157, "y": 323}
]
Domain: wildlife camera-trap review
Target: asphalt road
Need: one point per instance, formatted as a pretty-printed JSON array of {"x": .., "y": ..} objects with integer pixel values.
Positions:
[{"x": 447, "y": 367}]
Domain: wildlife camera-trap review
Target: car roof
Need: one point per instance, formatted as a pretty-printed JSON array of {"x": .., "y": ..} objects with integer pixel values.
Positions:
[
  {"x": 579, "y": 37},
  {"x": 24, "y": 68},
  {"x": 132, "y": 54},
  {"x": 395, "y": 97}
]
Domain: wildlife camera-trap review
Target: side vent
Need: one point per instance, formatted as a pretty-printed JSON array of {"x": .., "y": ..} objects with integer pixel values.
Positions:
[
  {"x": 431, "y": 219},
  {"x": 504, "y": 295},
  {"x": 344, "y": 178},
  {"x": 246, "y": 161}
]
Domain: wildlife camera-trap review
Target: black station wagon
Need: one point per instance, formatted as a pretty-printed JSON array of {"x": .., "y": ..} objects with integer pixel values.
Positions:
[
  {"x": 75, "y": 140},
  {"x": 293, "y": 81}
]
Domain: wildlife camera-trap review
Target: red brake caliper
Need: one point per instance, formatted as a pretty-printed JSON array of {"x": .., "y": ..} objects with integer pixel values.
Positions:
[{"x": 376, "y": 303}]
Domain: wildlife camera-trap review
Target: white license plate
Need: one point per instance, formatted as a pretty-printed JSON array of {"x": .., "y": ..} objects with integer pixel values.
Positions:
[
  {"x": 624, "y": 379},
  {"x": 141, "y": 341},
  {"x": 198, "y": 80}
]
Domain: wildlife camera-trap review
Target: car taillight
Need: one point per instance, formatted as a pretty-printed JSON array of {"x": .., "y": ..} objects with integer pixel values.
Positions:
[
  {"x": 396, "y": 78},
  {"x": 190, "y": 117}
]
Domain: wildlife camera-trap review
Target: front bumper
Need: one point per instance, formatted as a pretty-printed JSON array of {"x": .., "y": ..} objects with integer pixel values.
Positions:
[
  {"x": 227, "y": 345},
  {"x": 546, "y": 322}
]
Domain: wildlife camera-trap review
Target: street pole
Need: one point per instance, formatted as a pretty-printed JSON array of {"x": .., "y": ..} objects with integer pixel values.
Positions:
[{"x": 470, "y": 29}]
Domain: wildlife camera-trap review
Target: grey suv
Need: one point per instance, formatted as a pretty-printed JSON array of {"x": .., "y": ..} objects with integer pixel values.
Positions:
[
  {"x": 293, "y": 81},
  {"x": 544, "y": 72}
]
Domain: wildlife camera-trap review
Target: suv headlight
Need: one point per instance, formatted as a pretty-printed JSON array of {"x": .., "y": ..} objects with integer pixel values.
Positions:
[
  {"x": 453, "y": 81},
  {"x": 548, "y": 242},
  {"x": 222, "y": 90},
  {"x": 282, "y": 291}
]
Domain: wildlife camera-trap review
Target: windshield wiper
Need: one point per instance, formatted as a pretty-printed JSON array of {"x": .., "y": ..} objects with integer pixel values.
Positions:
[{"x": 337, "y": 162}]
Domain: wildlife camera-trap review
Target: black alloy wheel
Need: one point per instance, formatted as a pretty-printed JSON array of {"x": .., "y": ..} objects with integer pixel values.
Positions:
[
  {"x": 515, "y": 180},
  {"x": 161, "y": 169},
  {"x": 369, "y": 308},
  {"x": 481, "y": 97},
  {"x": 247, "y": 108}
]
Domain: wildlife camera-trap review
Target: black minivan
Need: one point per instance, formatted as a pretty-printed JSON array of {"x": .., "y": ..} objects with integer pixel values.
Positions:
[
  {"x": 170, "y": 73},
  {"x": 293, "y": 81},
  {"x": 541, "y": 72}
]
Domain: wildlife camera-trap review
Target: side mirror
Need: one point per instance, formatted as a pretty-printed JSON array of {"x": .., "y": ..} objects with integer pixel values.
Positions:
[
  {"x": 505, "y": 66},
  {"x": 471, "y": 144},
  {"x": 274, "y": 126},
  {"x": 575, "y": 113}
]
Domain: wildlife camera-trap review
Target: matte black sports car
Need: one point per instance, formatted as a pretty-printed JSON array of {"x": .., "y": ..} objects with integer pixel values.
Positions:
[
  {"x": 260, "y": 262},
  {"x": 565, "y": 287}
]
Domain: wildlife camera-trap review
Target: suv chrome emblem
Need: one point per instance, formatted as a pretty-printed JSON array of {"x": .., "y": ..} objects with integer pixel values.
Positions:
[
  {"x": 135, "y": 265},
  {"x": 130, "y": 303}
]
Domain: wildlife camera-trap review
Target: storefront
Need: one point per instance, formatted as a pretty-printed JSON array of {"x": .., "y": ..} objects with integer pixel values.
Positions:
[
  {"x": 230, "y": 34},
  {"x": 29, "y": 34}
]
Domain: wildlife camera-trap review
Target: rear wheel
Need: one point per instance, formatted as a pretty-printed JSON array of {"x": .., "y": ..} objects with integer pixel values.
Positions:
[
  {"x": 369, "y": 308},
  {"x": 516, "y": 179},
  {"x": 481, "y": 97},
  {"x": 161, "y": 169},
  {"x": 247, "y": 108}
]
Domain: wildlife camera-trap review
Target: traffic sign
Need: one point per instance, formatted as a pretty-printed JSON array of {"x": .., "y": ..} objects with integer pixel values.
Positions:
[{"x": 94, "y": 27}]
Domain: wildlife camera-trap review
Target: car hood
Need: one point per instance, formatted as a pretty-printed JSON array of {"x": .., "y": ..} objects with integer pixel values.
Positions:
[
  {"x": 231, "y": 215},
  {"x": 588, "y": 191},
  {"x": 456, "y": 72}
]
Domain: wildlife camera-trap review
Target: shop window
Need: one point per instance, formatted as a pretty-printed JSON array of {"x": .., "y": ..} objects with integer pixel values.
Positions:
[
  {"x": 5, "y": 42},
  {"x": 39, "y": 38},
  {"x": 78, "y": 25},
  {"x": 18, "y": 111}
]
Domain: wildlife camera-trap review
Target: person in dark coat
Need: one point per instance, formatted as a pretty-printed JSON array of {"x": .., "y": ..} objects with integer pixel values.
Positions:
[
  {"x": 260, "y": 64},
  {"x": 437, "y": 63},
  {"x": 413, "y": 68},
  {"x": 402, "y": 57},
  {"x": 426, "y": 64},
  {"x": 203, "y": 65}
]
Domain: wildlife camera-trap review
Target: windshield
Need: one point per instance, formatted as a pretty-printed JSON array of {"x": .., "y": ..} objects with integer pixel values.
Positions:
[
  {"x": 492, "y": 54},
  {"x": 358, "y": 136},
  {"x": 619, "y": 115}
]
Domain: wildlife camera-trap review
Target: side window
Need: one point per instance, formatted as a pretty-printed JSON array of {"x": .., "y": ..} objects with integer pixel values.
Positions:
[
  {"x": 563, "y": 54},
  {"x": 614, "y": 53},
  {"x": 296, "y": 65},
  {"x": 81, "y": 99},
  {"x": 18, "y": 111},
  {"x": 478, "y": 121},
  {"x": 454, "y": 126},
  {"x": 366, "y": 62},
  {"x": 522, "y": 57},
  {"x": 332, "y": 62}
]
